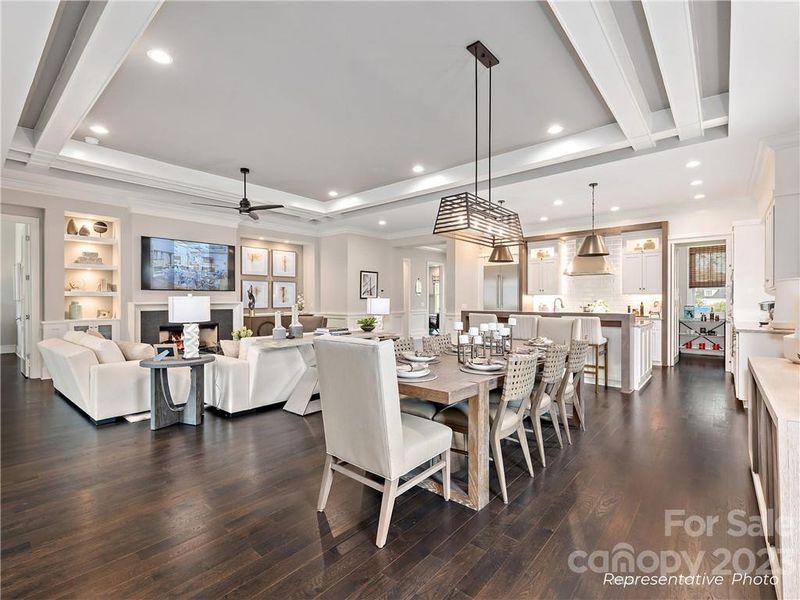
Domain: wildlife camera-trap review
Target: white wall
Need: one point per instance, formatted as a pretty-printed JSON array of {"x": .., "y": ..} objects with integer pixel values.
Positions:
[{"x": 8, "y": 325}]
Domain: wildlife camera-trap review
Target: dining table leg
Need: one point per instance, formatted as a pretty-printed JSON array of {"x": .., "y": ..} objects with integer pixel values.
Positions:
[{"x": 478, "y": 441}]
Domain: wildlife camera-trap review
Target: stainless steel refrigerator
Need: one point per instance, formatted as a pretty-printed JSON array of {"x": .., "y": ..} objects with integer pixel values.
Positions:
[{"x": 501, "y": 287}]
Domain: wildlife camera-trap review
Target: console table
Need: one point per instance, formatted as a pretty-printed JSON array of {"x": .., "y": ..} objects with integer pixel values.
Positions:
[{"x": 163, "y": 411}]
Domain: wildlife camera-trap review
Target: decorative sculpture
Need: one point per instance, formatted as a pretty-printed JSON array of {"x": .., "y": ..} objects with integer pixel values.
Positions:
[
  {"x": 279, "y": 331},
  {"x": 251, "y": 301},
  {"x": 295, "y": 327}
]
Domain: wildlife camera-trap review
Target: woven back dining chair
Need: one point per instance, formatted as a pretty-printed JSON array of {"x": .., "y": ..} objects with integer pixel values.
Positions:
[
  {"x": 569, "y": 389},
  {"x": 541, "y": 401}
]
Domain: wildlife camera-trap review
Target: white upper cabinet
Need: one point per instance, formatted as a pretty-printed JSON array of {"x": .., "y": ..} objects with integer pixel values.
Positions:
[
  {"x": 641, "y": 263},
  {"x": 632, "y": 273},
  {"x": 651, "y": 278},
  {"x": 544, "y": 275},
  {"x": 781, "y": 241}
]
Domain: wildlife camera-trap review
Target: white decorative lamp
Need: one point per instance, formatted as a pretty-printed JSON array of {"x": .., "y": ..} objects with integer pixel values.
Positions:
[
  {"x": 378, "y": 307},
  {"x": 190, "y": 310}
]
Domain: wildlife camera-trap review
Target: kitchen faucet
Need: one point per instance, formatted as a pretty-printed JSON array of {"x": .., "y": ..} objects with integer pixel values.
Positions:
[{"x": 560, "y": 301}]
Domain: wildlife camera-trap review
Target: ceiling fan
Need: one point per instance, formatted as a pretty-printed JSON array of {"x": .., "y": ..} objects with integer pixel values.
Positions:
[{"x": 244, "y": 208}]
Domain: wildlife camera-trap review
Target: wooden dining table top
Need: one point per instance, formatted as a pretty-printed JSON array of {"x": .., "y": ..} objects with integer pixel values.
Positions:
[{"x": 451, "y": 385}]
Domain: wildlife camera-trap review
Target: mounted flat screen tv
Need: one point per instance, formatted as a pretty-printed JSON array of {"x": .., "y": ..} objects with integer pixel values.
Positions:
[{"x": 190, "y": 266}]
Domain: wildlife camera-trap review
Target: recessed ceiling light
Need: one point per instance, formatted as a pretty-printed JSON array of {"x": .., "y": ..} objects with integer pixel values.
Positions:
[
  {"x": 333, "y": 193},
  {"x": 261, "y": 237},
  {"x": 555, "y": 129},
  {"x": 543, "y": 218},
  {"x": 692, "y": 164},
  {"x": 697, "y": 182},
  {"x": 381, "y": 222},
  {"x": 614, "y": 208},
  {"x": 699, "y": 196},
  {"x": 91, "y": 140},
  {"x": 159, "y": 56},
  {"x": 418, "y": 169},
  {"x": 558, "y": 202},
  {"x": 98, "y": 129},
  {"x": 285, "y": 241}
]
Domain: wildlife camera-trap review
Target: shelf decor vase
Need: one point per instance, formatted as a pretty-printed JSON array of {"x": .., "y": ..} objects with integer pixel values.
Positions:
[{"x": 75, "y": 310}]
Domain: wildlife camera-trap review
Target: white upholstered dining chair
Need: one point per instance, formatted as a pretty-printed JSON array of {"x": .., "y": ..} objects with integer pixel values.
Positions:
[
  {"x": 562, "y": 330},
  {"x": 526, "y": 326},
  {"x": 364, "y": 428},
  {"x": 477, "y": 319}
]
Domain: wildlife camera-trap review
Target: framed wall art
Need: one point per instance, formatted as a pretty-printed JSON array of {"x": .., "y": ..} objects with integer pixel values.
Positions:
[
  {"x": 284, "y": 263},
  {"x": 284, "y": 294},
  {"x": 260, "y": 291},
  {"x": 255, "y": 261},
  {"x": 368, "y": 284}
]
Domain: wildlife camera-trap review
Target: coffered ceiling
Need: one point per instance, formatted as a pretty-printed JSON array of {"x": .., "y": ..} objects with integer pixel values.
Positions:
[{"x": 317, "y": 97}]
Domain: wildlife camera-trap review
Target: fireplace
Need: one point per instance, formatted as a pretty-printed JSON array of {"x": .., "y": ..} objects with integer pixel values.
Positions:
[
  {"x": 172, "y": 333},
  {"x": 146, "y": 318},
  {"x": 154, "y": 326}
]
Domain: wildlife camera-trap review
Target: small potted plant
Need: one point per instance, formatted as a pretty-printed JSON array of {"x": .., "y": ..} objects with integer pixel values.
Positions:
[
  {"x": 231, "y": 347},
  {"x": 367, "y": 323}
]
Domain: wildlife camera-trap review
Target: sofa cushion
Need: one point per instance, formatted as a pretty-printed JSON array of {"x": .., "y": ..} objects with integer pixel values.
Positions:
[
  {"x": 136, "y": 351},
  {"x": 105, "y": 350}
]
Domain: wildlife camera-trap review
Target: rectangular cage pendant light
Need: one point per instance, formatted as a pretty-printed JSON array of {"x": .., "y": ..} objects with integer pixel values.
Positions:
[{"x": 470, "y": 218}]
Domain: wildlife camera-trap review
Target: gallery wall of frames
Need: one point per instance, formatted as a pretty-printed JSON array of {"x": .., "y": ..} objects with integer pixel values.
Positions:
[{"x": 272, "y": 272}]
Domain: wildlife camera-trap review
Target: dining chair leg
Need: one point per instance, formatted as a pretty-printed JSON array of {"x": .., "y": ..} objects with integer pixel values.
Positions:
[
  {"x": 523, "y": 442},
  {"x": 554, "y": 417},
  {"x": 562, "y": 407},
  {"x": 605, "y": 365},
  {"x": 446, "y": 475},
  {"x": 327, "y": 480},
  {"x": 387, "y": 505},
  {"x": 596, "y": 367},
  {"x": 497, "y": 455},
  {"x": 537, "y": 430}
]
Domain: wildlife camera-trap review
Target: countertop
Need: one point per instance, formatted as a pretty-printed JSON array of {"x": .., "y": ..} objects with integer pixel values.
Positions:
[
  {"x": 753, "y": 327},
  {"x": 779, "y": 379}
]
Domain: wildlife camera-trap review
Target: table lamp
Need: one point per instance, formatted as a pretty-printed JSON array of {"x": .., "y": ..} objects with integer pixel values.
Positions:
[
  {"x": 378, "y": 307},
  {"x": 190, "y": 310}
]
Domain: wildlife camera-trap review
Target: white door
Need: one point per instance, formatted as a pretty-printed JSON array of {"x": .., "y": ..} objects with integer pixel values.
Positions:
[
  {"x": 535, "y": 277},
  {"x": 632, "y": 274},
  {"x": 22, "y": 296},
  {"x": 651, "y": 264},
  {"x": 549, "y": 277}
]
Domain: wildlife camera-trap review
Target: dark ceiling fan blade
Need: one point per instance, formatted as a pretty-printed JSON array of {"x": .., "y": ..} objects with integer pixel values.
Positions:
[
  {"x": 253, "y": 216},
  {"x": 266, "y": 206},
  {"x": 215, "y": 205}
]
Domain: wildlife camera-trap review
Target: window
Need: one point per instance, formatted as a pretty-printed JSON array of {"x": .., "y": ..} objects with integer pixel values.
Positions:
[{"x": 707, "y": 267}]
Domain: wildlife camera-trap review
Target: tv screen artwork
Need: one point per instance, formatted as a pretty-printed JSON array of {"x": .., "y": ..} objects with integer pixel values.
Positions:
[{"x": 190, "y": 266}]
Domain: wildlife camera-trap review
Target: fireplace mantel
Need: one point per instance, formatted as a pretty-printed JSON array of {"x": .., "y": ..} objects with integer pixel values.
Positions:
[{"x": 135, "y": 310}]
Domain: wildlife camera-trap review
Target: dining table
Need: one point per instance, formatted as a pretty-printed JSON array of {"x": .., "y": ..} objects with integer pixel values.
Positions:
[{"x": 451, "y": 386}]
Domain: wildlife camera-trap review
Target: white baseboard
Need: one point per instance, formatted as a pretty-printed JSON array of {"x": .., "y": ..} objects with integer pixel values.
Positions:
[{"x": 8, "y": 349}]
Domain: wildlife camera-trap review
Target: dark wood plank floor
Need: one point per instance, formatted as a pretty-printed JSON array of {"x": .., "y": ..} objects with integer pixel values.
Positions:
[{"x": 228, "y": 509}]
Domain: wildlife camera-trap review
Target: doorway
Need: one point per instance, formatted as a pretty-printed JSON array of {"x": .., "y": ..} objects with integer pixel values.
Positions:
[
  {"x": 20, "y": 313},
  {"x": 700, "y": 290},
  {"x": 435, "y": 298}
]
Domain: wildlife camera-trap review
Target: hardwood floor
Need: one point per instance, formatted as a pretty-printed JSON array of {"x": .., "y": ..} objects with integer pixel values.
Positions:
[{"x": 228, "y": 509}]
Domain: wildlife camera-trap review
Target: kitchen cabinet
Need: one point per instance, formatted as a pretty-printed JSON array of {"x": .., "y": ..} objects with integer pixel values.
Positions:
[
  {"x": 641, "y": 273},
  {"x": 543, "y": 276},
  {"x": 750, "y": 340},
  {"x": 643, "y": 353},
  {"x": 656, "y": 341},
  {"x": 781, "y": 242}
]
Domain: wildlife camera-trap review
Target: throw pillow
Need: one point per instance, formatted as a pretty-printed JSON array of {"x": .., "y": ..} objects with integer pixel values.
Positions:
[
  {"x": 105, "y": 350},
  {"x": 136, "y": 351}
]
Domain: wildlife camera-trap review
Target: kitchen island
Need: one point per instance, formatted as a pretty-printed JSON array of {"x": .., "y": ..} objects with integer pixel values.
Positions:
[{"x": 618, "y": 328}]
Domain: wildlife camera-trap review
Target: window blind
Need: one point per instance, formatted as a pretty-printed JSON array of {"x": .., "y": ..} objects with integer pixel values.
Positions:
[{"x": 707, "y": 267}]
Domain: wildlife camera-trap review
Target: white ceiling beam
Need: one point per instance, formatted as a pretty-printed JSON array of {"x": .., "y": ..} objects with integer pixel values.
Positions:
[
  {"x": 106, "y": 35},
  {"x": 670, "y": 25},
  {"x": 24, "y": 33},
  {"x": 594, "y": 32}
]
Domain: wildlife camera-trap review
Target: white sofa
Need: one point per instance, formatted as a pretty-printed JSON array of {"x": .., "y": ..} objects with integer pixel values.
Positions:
[
  {"x": 259, "y": 376},
  {"x": 110, "y": 389}
]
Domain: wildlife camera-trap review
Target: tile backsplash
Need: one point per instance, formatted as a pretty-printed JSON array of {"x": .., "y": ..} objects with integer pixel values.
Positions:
[{"x": 580, "y": 291}]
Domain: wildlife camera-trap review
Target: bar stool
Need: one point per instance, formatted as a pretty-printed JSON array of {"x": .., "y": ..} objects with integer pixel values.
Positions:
[{"x": 598, "y": 345}]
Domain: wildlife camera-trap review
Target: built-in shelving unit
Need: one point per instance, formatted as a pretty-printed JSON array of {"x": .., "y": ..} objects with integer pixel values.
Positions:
[
  {"x": 91, "y": 268},
  {"x": 694, "y": 340}
]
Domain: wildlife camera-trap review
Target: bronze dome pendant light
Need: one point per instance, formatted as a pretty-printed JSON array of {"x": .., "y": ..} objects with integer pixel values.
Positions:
[
  {"x": 468, "y": 217},
  {"x": 593, "y": 245}
]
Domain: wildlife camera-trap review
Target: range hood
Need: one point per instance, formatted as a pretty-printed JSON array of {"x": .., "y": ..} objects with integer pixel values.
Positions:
[{"x": 588, "y": 265}]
